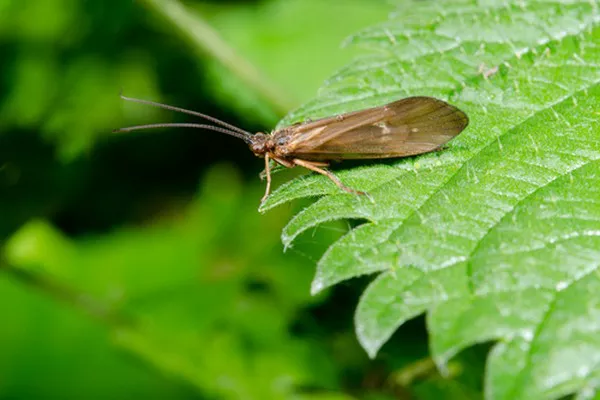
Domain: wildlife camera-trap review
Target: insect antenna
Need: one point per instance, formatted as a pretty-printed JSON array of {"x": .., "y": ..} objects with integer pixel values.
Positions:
[
  {"x": 230, "y": 128},
  {"x": 245, "y": 138}
]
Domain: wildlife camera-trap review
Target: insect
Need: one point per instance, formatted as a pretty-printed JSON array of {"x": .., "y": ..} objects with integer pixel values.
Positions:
[{"x": 407, "y": 127}]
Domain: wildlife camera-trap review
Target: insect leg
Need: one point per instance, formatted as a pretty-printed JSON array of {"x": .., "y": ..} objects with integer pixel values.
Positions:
[
  {"x": 263, "y": 174},
  {"x": 268, "y": 175},
  {"x": 319, "y": 163},
  {"x": 267, "y": 172},
  {"x": 285, "y": 163},
  {"x": 329, "y": 174}
]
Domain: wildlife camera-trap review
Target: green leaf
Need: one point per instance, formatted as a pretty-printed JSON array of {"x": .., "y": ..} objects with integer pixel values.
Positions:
[{"x": 498, "y": 237}]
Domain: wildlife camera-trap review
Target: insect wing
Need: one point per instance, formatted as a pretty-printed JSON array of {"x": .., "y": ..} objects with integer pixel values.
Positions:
[
  {"x": 315, "y": 133},
  {"x": 405, "y": 127}
]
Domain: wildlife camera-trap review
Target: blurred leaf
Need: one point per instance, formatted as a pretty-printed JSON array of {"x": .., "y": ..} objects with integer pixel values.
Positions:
[
  {"x": 497, "y": 238},
  {"x": 72, "y": 105},
  {"x": 328, "y": 396},
  {"x": 47, "y": 22},
  {"x": 57, "y": 83},
  {"x": 33, "y": 72},
  {"x": 203, "y": 293},
  {"x": 49, "y": 351},
  {"x": 293, "y": 42}
]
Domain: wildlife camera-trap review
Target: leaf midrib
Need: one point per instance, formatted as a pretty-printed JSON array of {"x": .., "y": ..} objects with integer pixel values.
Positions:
[
  {"x": 558, "y": 176},
  {"x": 468, "y": 261},
  {"x": 470, "y": 157}
]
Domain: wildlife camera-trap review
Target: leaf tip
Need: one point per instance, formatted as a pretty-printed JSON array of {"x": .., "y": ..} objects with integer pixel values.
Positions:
[
  {"x": 441, "y": 363},
  {"x": 287, "y": 242},
  {"x": 371, "y": 351},
  {"x": 370, "y": 346},
  {"x": 317, "y": 286},
  {"x": 287, "y": 238},
  {"x": 265, "y": 205}
]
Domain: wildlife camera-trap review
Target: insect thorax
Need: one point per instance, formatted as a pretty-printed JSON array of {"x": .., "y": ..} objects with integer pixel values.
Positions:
[
  {"x": 278, "y": 143},
  {"x": 274, "y": 144}
]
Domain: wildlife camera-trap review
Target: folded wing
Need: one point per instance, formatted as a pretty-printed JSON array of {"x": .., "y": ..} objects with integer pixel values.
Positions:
[{"x": 405, "y": 127}]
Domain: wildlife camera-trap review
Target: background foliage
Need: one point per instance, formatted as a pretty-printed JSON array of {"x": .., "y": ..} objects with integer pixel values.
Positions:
[{"x": 137, "y": 265}]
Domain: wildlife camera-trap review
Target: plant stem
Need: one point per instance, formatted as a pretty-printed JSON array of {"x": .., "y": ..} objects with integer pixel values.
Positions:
[
  {"x": 207, "y": 41},
  {"x": 421, "y": 369}
]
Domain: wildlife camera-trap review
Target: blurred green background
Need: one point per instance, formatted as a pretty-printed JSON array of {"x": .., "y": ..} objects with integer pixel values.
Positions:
[{"x": 136, "y": 265}]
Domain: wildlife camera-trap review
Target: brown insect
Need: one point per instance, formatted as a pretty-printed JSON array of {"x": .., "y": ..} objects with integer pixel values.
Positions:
[{"x": 407, "y": 127}]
